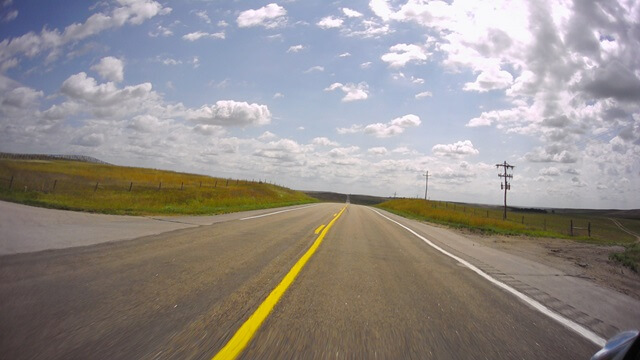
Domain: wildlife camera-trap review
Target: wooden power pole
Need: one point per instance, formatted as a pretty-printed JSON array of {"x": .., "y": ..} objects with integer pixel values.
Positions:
[
  {"x": 426, "y": 187},
  {"x": 506, "y": 185}
]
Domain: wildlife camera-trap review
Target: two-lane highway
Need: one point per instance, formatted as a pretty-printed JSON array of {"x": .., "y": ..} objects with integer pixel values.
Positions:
[{"x": 371, "y": 289}]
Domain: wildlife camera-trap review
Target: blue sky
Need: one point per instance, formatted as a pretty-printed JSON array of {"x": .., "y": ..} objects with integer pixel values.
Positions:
[{"x": 357, "y": 96}]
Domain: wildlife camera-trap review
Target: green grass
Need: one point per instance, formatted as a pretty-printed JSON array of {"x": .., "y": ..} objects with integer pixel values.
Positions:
[
  {"x": 629, "y": 258},
  {"x": 460, "y": 216},
  {"x": 71, "y": 185},
  {"x": 489, "y": 220}
]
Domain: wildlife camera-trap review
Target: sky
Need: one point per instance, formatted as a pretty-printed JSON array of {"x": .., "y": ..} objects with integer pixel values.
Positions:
[{"x": 356, "y": 97}]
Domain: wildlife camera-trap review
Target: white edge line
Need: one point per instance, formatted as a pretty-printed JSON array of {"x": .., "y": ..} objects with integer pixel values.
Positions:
[
  {"x": 586, "y": 333},
  {"x": 278, "y": 212}
]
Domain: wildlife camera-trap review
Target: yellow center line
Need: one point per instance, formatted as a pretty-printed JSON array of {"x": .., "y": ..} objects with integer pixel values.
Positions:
[
  {"x": 245, "y": 333},
  {"x": 319, "y": 229}
]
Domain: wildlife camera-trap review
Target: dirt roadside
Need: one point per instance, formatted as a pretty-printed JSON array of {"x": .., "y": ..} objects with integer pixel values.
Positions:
[{"x": 588, "y": 261}]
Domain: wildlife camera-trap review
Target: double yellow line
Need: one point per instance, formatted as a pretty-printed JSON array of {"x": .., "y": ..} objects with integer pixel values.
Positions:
[{"x": 245, "y": 333}]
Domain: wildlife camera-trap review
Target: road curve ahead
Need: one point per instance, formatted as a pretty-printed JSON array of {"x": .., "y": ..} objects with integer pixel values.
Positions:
[{"x": 370, "y": 289}]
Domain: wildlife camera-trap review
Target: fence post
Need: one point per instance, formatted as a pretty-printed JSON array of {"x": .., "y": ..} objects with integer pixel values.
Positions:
[
  {"x": 96, "y": 188},
  {"x": 200, "y": 183},
  {"x": 11, "y": 182},
  {"x": 160, "y": 185},
  {"x": 182, "y": 186},
  {"x": 227, "y": 182},
  {"x": 237, "y": 181},
  {"x": 55, "y": 182},
  {"x": 571, "y": 227},
  {"x": 544, "y": 224},
  {"x": 522, "y": 219},
  {"x": 130, "y": 186},
  {"x": 589, "y": 229},
  {"x": 215, "y": 184}
]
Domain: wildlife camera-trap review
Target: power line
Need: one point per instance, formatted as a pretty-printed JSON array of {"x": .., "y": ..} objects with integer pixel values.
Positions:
[{"x": 506, "y": 185}]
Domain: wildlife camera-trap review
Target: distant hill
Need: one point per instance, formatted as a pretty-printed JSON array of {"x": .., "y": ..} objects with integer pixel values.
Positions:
[
  {"x": 341, "y": 198},
  {"x": 82, "y": 158}
]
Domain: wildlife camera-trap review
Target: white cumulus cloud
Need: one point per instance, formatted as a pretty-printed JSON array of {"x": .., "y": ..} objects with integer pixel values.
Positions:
[
  {"x": 401, "y": 54},
  {"x": 381, "y": 8},
  {"x": 197, "y": 35},
  {"x": 231, "y": 113},
  {"x": 31, "y": 44},
  {"x": 351, "y": 13},
  {"x": 323, "y": 141},
  {"x": 269, "y": 16},
  {"x": 550, "y": 171},
  {"x": 330, "y": 22},
  {"x": 295, "y": 48},
  {"x": 352, "y": 91},
  {"x": 82, "y": 87},
  {"x": 202, "y": 14},
  {"x": 493, "y": 79},
  {"x": 424, "y": 94},
  {"x": 316, "y": 68},
  {"x": 380, "y": 150},
  {"x": 110, "y": 68},
  {"x": 458, "y": 149},
  {"x": 382, "y": 130}
]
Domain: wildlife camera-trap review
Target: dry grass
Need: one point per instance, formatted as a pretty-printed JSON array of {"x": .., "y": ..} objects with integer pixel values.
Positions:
[
  {"x": 603, "y": 231},
  {"x": 105, "y": 188}
]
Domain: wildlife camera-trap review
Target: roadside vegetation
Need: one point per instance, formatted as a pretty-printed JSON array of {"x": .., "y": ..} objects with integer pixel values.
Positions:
[
  {"x": 529, "y": 222},
  {"x": 109, "y": 189},
  {"x": 630, "y": 257}
]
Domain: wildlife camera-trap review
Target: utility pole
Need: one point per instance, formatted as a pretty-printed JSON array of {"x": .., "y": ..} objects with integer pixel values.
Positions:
[
  {"x": 426, "y": 187},
  {"x": 506, "y": 185}
]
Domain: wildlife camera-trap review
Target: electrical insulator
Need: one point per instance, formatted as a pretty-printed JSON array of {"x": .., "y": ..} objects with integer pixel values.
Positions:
[{"x": 501, "y": 186}]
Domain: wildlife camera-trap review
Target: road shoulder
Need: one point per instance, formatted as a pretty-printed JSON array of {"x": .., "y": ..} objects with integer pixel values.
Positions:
[
  {"x": 26, "y": 229},
  {"x": 557, "y": 283}
]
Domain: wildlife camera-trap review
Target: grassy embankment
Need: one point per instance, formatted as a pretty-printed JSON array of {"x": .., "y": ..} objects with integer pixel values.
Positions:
[
  {"x": 71, "y": 185},
  {"x": 489, "y": 220}
]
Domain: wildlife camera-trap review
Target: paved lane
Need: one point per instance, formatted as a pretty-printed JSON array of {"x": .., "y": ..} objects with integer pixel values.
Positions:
[
  {"x": 375, "y": 291},
  {"x": 371, "y": 290},
  {"x": 175, "y": 295},
  {"x": 25, "y": 229}
]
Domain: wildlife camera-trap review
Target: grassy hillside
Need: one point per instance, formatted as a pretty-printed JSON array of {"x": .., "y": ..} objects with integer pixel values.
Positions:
[
  {"x": 532, "y": 223},
  {"x": 104, "y": 188},
  {"x": 340, "y": 198}
]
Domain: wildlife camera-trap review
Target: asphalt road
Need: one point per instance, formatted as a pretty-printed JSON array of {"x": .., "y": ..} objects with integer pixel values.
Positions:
[{"x": 371, "y": 290}]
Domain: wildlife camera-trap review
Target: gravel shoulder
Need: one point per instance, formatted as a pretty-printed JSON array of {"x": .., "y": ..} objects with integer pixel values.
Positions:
[{"x": 588, "y": 261}]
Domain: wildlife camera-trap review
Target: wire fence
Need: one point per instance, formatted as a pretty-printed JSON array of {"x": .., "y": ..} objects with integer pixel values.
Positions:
[
  {"x": 534, "y": 219},
  {"x": 52, "y": 184}
]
